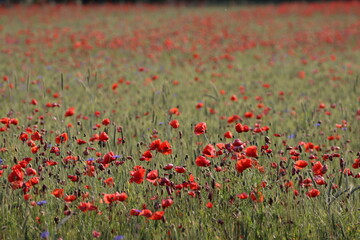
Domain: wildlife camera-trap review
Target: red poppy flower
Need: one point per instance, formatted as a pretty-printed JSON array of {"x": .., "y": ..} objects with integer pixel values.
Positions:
[
  {"x": 152, "y": 176},
  {"x": 174, "y": 123},
  {"x": 157, "y": 215},
  {"x": 135, "y": 212},
  {"x": 58, "y": 193},
  {"x": 243, "y": 164},
  {"x": 200, "y": 128},
  {"x": 234, "y": 118},
  {"x": 86, "y": 206},
  {"x": 70, "y": 198},
  {"x": 30, "y": 172},
  {"x": 168, "y": 166},
  {"x": 137, "y": 175},
  {"x": 243, "y": 195},
  {"x": 209, "y": 151},
  {"x": 109, "y": 181},
  {"x": 248, "y": 115},
  {"x": 70, "y": 112},
  {"x": 62, "y": 138},
  {"x": 356, "y": 163},
  {"x": 209, "y": 205},
  {"x": 147, "y": 156},
  {"x": 313, "y": 193},
  {"x": 300, "y": 164},
  {"x": 36, "y": 136},
  {"x": 201, "y": 161},
  {"x": 251, "y": 151},
  {"x": 106, "y": 122},
  {"x": 121, "y": 196},
  {"x": 16, "y": 175},
  {"x": 199, "y": 105},
  {"x": 73, "y": 178},
  {"x": 174, "y": 111},
  {"x": 81, "y": 142},
  {"x": 165, "y": 148},
  {"x": 146, "y": 213},
  {"x": 233, "y": 98},
  {"x": 301, "y": 74},
  {"x": 155, "y": 145},
  {"x": 179, "y": 169},
  {"x": 23, "y": 137},
  {"x": 103, "y": 137},
  {"x": 95, "y": 137},
  {"x": 257, "y": 196},
  {"x": 317, "y": 168},
  {"x": 109, "y": 198},
  {"x": 228, "y": 134},
  {"x": 166, "y": 202}
]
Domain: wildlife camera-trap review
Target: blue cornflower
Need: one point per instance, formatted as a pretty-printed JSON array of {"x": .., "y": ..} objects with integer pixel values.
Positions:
[
  {"x": 292, "y": 136},
  {"x": 119, "y": 237},
  {"x": 44, "y": 234},
  {"x": 40, "y": 203},
  {"x": 1, "y": 161}
]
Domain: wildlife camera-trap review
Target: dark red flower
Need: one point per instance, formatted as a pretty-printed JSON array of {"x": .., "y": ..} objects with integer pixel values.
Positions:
[
  {"x": 103, "y": 137},
  {"x": 62, "y": 138},
  {"x": 313, "y": 193},
  {"x": 174, "y": 123},
  {"x": 201, "y": 161},
  {"x": 200, "y": 128},
  {"x": 137, "y": 175},
  {"x": 243, "y": 164},
  {"x": 209, "y": 151},
  {"x": 165, "y": 148},
  {"x": 251, "y": 151},
  {"x": 70, "y": 112}
]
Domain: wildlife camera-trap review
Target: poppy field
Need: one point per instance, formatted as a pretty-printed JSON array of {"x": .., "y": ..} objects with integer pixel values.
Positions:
[{"x": 173, "y": 122}]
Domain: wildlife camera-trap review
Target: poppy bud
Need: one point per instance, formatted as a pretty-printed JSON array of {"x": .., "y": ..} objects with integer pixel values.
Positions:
[
  {"x": 324, "y": 169},
  {"x": 210, "y": 196},
  {"x": 342, "y": 163}
]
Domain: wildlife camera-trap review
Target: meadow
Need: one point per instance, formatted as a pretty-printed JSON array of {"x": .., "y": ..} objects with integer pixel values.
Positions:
[{"x": 173, "y": 122}]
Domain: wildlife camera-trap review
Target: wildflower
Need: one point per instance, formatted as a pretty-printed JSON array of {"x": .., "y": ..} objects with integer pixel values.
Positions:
[
  {"x": 209, "y": 151},
  {"x": 228, "y": 134},
  {"x": 201, "y": 161},
  {"x": 69, "y": 112},
  {"x": 243, "y": 164},
  {"x": 174, "y": 123},
  {"x": 243, "y": 195},
  {"x": 58, "y": 193},
  {"x": 96, "y": 234},
  {"x": 137, "y": 175},
  {"x": 313, "y": 193},
  {"x": 200, "y": 128},
  {"x": 251, "y": 151},
  {"x": 44, "y": 234},
  {"x": 165, "y": 148},
  {"x": 40, "y": 203},
  {"x": 119, "y": 237},
  {"x": 103, "y": 137},
  {"x": 300, "y": 164},
  {"x": 157, "y": 215},
  {"x": 62, "y": 138}
]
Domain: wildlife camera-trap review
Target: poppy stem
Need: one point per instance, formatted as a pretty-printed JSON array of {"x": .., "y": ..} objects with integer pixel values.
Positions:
[{"x": 206, "y": 138}]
